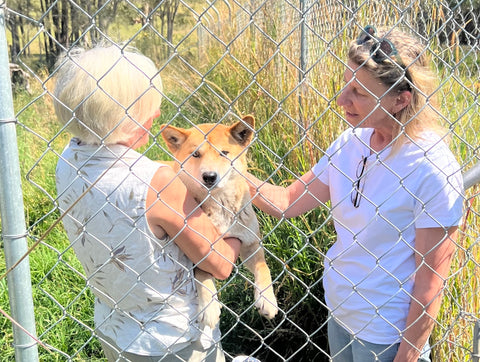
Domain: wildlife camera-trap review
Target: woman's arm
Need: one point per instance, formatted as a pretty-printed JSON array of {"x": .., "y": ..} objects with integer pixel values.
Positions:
[
  {"x": 303, "y": 195},
  {"x": 173, "y": 210},
  {"x": 434, "y": 251}
]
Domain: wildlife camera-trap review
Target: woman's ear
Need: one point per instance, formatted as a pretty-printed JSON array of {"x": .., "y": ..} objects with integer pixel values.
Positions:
[{"x": 402, "y": 100}]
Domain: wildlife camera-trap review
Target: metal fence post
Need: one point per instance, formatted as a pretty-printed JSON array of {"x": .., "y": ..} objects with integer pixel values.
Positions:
[
  {"x": 472, "y": 178},
  {"x": 12, "y": 215},
  {"x": 476, "y": 342},
  {"x": 303, "y": 59}
]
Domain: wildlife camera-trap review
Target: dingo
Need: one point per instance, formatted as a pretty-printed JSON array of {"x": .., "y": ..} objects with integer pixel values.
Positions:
[{"x": 211, "y": 159}]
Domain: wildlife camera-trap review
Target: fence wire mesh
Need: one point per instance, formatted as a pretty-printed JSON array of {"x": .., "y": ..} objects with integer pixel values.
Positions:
[{"x": 282, "y": 61}]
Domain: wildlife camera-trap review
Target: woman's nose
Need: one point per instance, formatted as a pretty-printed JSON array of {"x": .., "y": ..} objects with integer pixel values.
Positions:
[{"x": 342, "y": 99}]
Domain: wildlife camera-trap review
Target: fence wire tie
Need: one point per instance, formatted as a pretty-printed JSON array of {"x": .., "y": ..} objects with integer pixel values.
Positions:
[
  {"x": 25, "y": 346},
  {"x": 8, "y": 120},
  {"x": 14, "y": 236}
]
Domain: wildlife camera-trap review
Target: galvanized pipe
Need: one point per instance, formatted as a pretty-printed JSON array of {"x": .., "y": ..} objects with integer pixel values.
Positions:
[
  {"x": 12, "y": 216},
  {"x": 472, "y": 176},
  {"x": 476, "y": 342}
]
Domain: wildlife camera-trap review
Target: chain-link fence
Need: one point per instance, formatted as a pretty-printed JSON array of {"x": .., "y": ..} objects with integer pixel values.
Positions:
[{"x": 282, "y": 61}]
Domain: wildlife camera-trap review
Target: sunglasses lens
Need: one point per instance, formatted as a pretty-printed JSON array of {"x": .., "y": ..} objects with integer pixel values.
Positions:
[
  {"x": 386, "y": 47},
  {"x": 367, "y": 33},
  {"x": 382, "y": 50}
]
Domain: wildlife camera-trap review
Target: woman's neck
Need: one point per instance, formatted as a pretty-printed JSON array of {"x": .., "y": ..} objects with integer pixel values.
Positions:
[{"x": 380, "y": 139}]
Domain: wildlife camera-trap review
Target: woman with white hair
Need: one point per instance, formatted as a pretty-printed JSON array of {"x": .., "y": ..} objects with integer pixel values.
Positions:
[{"x": 132, "y": 223}]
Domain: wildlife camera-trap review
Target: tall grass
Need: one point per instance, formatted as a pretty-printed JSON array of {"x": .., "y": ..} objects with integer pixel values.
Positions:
[
  {"x": 259, "y": 75},
  {"x": 294, "y": 124}
]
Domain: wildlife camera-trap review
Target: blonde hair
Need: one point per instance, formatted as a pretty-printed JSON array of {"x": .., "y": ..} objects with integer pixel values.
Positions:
[
  {"x": 103, "y": 94},
  {"x": 413, "y": 74}
]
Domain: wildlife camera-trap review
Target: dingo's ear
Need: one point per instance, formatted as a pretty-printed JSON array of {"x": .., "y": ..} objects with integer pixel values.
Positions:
[
  {"x": 173, "y": 136},
  {"x": 242, "y": 131}
]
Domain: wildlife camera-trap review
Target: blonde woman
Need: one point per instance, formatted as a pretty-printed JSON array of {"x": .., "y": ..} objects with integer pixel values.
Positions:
[
  {"x": 133, "y": 225},
  {"x": 396, "y": 201}
]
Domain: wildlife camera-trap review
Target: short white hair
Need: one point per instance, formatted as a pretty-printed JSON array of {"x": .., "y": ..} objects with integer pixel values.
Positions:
[{"x": 104, "y": 93}]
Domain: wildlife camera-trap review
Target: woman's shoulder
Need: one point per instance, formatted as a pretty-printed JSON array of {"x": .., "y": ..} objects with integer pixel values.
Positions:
[
  {"x": 431, "y": 146},
  {"x": 431, "y": 155},
  {"x": 163, "y": 174}
]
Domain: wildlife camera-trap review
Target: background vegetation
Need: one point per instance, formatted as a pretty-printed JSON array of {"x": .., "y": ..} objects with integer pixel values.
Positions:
[{"x": 218, "y": 63}]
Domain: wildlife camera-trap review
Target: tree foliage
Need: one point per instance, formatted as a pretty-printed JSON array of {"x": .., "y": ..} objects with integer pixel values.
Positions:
[{"x": 62, "y": 24}]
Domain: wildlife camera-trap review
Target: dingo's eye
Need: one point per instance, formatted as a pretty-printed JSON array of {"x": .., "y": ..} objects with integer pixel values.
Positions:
[
  {"x": 196, "y": 154},
  {"x": 224, "y": 153}
]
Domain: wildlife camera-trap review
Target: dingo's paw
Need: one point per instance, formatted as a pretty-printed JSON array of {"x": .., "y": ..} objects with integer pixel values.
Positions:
[
  {"x": 266, "y": 303},
  {"x": 209, "y": 314}
]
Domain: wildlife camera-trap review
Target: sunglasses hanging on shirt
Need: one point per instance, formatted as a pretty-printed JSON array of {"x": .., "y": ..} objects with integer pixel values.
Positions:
[{"x": 356, "y": 194}]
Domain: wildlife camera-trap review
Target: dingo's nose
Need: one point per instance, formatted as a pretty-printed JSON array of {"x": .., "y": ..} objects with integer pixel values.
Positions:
[{"x": 209, "y": 179}]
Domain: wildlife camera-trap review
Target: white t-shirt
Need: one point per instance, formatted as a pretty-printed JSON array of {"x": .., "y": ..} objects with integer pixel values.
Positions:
[
  {"x": 144, "y": 287},
  {"x": 370, "y": 269}
]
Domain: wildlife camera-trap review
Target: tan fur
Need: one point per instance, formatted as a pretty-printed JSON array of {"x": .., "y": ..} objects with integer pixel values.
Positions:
[{"x": 211, "y": 159}]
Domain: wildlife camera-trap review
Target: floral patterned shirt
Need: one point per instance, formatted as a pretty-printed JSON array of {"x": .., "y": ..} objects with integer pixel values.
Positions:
[{"x": 144, "y": 287}]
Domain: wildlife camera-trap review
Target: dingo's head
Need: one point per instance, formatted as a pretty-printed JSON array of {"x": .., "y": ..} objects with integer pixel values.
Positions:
[{"x": 210, "y": 155}]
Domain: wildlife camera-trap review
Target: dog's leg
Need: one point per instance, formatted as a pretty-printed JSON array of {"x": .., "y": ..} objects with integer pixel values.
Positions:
[
  {"x": 208, "y": 305},
  {"x": 247, "y": 230},
  {"x": 254, "y": 258}
]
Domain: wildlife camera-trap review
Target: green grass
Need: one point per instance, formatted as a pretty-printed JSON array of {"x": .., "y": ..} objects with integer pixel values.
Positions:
[{"x": 63, "y": 306}]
